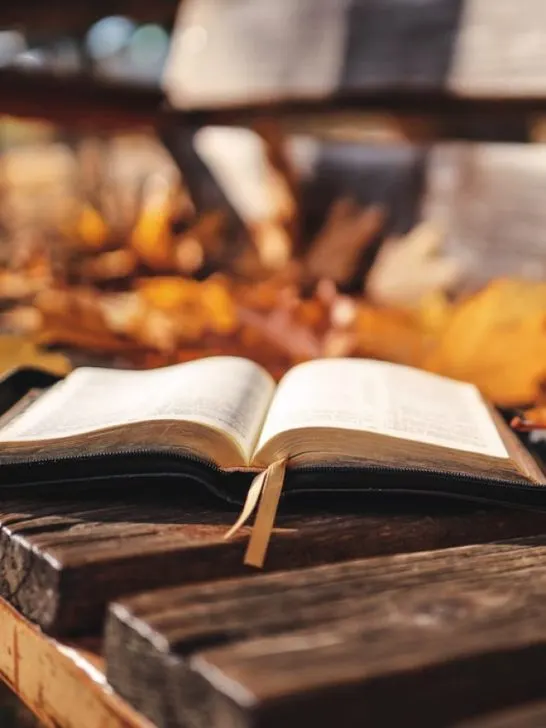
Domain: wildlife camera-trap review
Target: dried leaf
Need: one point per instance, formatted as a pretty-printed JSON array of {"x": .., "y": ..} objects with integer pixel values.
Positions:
[
  {"x": 497, "y": 340},
  {"x": 339, "y": 344},
  {"x": 91, "y": 229},
  {"x": 408, "y": 269},
  {"x": 17, "y": 285},
  {"x": 92, "y": 341},
  {"x": 109, "y": 266},
  {"x": 151, "y": 238},
  {"x": 18, "y": 351},
  {"x": 390, "y": 334},
  {"x": 530, "y": 419},
  {"x": 337, "y": 249},
  {"x": 189, "y": 256},
  {"x": 22, "y": 319},
  {"x": 167, "y": 292},
  {"x": 158, "y": 330},
  {"x": 220, "y": 307},
  {"x": 78, "y": 307},
  {"x": 194, "y": 306},
  {"x": 280, "y": 329},
  {"x": 434, "y": 312}
]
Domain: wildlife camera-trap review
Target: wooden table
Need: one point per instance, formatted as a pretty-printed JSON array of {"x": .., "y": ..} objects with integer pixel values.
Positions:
[
  {"x": 62, "y": 683},
  {"x": 454, "y": 637}
]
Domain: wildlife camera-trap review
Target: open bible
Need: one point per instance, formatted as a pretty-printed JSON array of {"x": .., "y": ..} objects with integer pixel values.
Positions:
[{"x": 337, "y": 424}]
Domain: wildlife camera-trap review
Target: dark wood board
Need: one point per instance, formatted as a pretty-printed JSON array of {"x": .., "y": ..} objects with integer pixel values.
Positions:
[
  {"x": 532, "y": 715},
  {"x": 77, "y": 100},
  {"x": 88, "y": 103},
  {"x": 64, "y": 559},
  {"x": 528, "y": 715},
  {"x": 419, "y": 640},
  {"x": 62, "y": 16},
  {"x": 436, "y": 68}
]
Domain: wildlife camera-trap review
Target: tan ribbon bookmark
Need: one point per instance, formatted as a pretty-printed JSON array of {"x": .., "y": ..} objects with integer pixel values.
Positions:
[{"x": 266, "y": 489}]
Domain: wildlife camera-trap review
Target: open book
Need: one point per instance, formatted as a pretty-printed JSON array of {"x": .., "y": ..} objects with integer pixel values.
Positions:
[
  {"x": 332, "y": 419},
  {"x": 331, "y": 424}
]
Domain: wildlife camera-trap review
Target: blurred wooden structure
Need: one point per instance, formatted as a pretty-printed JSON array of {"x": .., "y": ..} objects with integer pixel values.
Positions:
[
  {"x": 450, "y": 83},
  {"x": 63, "y": 16}
]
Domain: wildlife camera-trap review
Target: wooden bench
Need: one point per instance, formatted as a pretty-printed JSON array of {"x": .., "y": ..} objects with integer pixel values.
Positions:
[
  {"x": 453, "y": 637},
  {"x": 425, "y": 639},
  {"x": 64, "y": 559},
  {"x": 414, "y": 613},
  {"x": 63, "y": 684},
  {"x": 441, "y": 68}
]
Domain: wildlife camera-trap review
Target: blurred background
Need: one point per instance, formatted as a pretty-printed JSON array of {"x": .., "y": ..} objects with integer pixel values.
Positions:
[
  {"x": 129, "y": 238},
  {"x": 142, "y": 224}
]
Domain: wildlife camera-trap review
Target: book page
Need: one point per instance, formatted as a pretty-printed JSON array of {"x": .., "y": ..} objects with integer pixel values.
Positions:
[
  {"x": 388, "y": 399},
  {"x": 226, "y": 393}
]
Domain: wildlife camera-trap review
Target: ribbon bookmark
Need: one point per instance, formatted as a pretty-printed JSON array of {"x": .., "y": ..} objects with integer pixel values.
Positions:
[{"x": 266, "y": 490}]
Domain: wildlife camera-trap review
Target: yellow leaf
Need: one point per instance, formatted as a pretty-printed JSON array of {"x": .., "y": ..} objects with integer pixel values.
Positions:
[
  {"x": 91, "y": 228},
  {"x": 18, "y": 351}
]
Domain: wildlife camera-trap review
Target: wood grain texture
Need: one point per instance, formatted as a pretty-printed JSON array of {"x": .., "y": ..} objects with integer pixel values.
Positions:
[
  {"x": 422, "y": 639},
  {"x": 63, "y": 685},
  {"x": 532, "y": 715},
  {"x": 64, "y": 559}
]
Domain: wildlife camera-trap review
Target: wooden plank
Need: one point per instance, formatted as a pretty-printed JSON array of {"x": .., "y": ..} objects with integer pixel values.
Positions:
[
  {"x": 256, "y": 51},
  {"x": 420, "y": 639},
  {"x": 64, "y": 559},
  {"x": 399, "y": 59},
  {"x": 531, "y": 715},
  {"x": 63, "y": 15},
  {"x": 500, "y": 49},
  {"x": 62, "y": 684},
  {"x": 489, "y": 200},
  {"x": 85, "y": 102},
  {"x": 77, "y": 100}
]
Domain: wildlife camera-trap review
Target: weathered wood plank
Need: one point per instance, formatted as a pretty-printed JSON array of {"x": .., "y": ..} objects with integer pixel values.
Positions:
[
  {"x": 489, "y": 200},
  {"x": 500, "y": 49},
  {"x": 63, "y": 685},
  {"x": 62, "y": 16},
  {"x": 257, "y": 51},
  {"x": 86, "y": 103},
  {"x": 472, "y": 48},
  {"x": 416, "y": 639},
  {"x": 77, "y": 100},
  {"x": 531, "y": 715},
  {"x": 64, "y": 559},
  {"x": 420, "y": 62}
]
